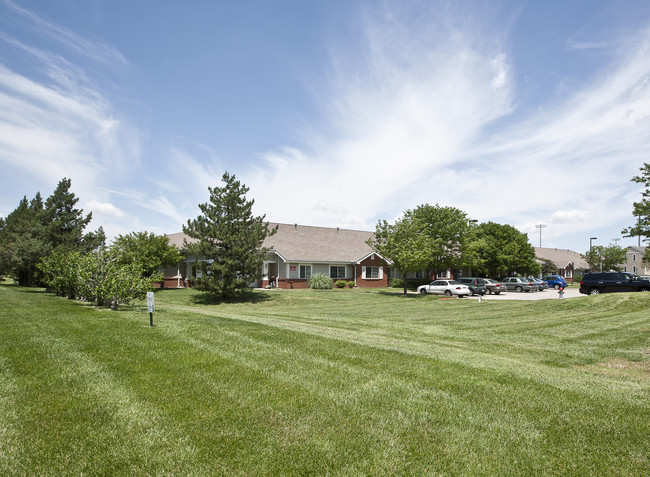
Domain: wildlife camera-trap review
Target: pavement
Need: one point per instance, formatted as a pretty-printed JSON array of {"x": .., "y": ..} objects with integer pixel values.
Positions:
[{"x": 550, "y": 294}]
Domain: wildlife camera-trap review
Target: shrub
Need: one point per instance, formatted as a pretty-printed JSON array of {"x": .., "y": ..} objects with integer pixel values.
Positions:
[
  {"x": 397, "y": 283},
  {"x": 341, "y": 283},
  {"x": 351, "y": 284},
  {"x": 320, "y": 281}
]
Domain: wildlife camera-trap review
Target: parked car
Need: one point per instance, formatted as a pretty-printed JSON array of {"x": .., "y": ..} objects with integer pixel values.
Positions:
[
  {"x": 606, "y": 282},
  {"x": 476, "y": 285},
  {"x": 494, "y": 286},
  {"x": 555, "y": 281},
  {"x": 445, "y": 287},
  {"x": 541, "y": 284},
  {"x": 519, "y": 284}
]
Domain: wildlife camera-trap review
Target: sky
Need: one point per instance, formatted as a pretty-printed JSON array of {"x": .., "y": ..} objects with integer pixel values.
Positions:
[{"x": 335, "y": 113}]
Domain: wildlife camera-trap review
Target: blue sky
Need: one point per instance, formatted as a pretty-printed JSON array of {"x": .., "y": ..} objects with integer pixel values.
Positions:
[{"x": 333, "y": 112}]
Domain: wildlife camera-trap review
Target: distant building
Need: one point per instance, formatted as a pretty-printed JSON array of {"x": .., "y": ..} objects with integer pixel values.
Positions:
[
  {"x": 634, "y": 261},
  {"x": 567, "y": 262}
]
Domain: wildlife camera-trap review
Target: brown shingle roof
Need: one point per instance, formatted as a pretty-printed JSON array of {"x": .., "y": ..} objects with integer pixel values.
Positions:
[
  {"x": 309, "y": 244},
  {"x": 562, "y": 257},
  {"x": 319, "y": 244}
]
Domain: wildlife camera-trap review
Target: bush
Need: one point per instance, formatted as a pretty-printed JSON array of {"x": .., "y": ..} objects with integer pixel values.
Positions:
[
  {"x": 351, "y": 284},
  {"x": 320, "y": 281},
  {"x": 341, "y": 283}
]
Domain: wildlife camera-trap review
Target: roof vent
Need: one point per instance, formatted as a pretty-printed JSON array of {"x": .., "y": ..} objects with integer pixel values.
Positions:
[
  {"x": 337, "y": 231},
  {"x": 295, "y": 226}
]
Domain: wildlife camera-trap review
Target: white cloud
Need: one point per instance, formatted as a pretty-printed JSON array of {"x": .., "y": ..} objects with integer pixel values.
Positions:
[
  {"x": 417, "y": 118},
  {"x": 103, "y": 208},
  {"x": 404, "y": 108}
]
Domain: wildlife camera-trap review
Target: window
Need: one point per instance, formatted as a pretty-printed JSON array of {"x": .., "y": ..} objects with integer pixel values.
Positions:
[
  {"x": 305, "y": 271},
  {"x": 337, "y": 271},
  {"x": 634, "y": 258},
  {"x": 372, "y": 272}
]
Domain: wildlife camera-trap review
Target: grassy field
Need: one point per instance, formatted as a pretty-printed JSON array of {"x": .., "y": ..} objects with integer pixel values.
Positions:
[{"x": 341, "y": 382}]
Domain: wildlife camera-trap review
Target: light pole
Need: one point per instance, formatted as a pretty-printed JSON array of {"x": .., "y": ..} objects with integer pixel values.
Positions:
[
  {"x": 590, "y": 242},
  {"x": 540, "y": 227}
]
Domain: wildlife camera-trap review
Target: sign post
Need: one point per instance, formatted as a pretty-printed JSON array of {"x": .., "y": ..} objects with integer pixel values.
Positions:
[{"x": 150, "y": 306}]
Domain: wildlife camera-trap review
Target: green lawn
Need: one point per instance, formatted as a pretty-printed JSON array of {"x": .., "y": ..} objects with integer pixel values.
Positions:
[{"x": 341, "y": 382}]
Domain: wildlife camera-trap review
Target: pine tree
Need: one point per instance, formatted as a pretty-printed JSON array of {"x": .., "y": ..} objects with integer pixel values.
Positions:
[
  {"x": 64, "y": 223},
  {"x": 230, "y": 238},
  {"x": 22, "y": 241}
]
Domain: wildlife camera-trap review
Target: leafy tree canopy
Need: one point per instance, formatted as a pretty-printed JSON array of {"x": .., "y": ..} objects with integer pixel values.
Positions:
[
  {"x": 641, "y": 209},
  {"x": 402, "y": 244},
  {"x": 446, "y": 233},
  {"x": 502, "y": 249},
  {"x": 148, "y": 250},
  {"x": 605, "y": 258},
  {"x": 229, "y": 239}
]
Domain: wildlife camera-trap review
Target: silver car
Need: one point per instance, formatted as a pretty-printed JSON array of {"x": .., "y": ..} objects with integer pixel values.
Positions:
[
  {"x": 519, "y": 284},
  {"x": 445, "y": 287},
  {"x": 541, "y": 284}
]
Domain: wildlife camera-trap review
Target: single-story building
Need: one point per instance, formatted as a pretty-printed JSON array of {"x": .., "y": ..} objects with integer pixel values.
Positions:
[
  {"x": 567, "y": 262},
  {"x": 299, "y": 252}
]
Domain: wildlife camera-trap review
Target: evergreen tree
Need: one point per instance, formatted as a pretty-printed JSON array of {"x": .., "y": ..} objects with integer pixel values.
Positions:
[
  {"x": 229, "y": 240},
  {"x": 36, "y": 229},
  {"x": 64, "y": 224},
  {"x": 22, "y": 241}
]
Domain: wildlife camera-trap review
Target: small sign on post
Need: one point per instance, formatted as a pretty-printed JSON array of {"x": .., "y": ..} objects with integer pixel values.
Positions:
[{"x": 150, "y": 306}]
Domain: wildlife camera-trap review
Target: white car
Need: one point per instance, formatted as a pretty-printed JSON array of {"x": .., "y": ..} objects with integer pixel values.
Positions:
[{"x": 445, "y": 287}]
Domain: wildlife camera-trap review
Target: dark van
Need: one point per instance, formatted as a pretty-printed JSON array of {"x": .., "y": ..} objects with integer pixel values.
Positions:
[{"x": 596, "y": 283}]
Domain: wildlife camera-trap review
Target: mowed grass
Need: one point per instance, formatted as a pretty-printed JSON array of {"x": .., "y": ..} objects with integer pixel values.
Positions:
[{"x": 341, "y": 382}]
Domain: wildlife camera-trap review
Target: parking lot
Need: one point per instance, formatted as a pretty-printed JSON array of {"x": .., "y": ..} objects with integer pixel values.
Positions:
[{"x": 550, "y": 294}]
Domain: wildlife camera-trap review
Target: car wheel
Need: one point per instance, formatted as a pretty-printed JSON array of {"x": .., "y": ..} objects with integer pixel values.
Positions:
[
  {"x": 447, "y": 292},
  {"x": 518, "y": 289},
  {"x": 556, "y": 286},
  {"x": 594, "y": 291},
  {"x": 423, "y": 291},
  {"x": 497, "y": 293},
  {"x": 489, "y": 291}
]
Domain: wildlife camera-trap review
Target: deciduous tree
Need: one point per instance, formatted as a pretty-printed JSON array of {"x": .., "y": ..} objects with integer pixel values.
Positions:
[
  {"x": 148, "y": 250},
  {"x": 605, "y": 258},
  {"x": 641, "y": 209},
  {"x": 403, "y": 244},
  {"x": 502, "y": 249}
]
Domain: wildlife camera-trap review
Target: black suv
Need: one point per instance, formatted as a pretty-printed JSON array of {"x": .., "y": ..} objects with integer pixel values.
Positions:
[{"x": 605, "y": 282}]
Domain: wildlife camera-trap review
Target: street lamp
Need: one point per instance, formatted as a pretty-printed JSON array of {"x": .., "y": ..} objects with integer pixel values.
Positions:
[
  {"x": 591, "y": 239},
  {"x": 540, "y": 227}
]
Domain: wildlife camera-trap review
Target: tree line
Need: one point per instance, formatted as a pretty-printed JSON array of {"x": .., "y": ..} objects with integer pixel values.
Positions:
[
  {"x": 435, "y": 238},
  {"x": 45, "y": 243}
]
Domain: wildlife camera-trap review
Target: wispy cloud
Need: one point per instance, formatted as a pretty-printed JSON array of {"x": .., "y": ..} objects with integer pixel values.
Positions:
[
  {"x": 420, "y": 116},
  {"x": 95, "y": 50},
  {"x": 404, "y": 104},
  {"x": 56, "y": 122}
]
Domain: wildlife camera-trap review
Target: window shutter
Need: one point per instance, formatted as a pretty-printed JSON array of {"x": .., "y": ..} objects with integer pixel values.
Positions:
[
  {"x": 363, "y": 272},
  {"x": 381, "y": 273}
]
